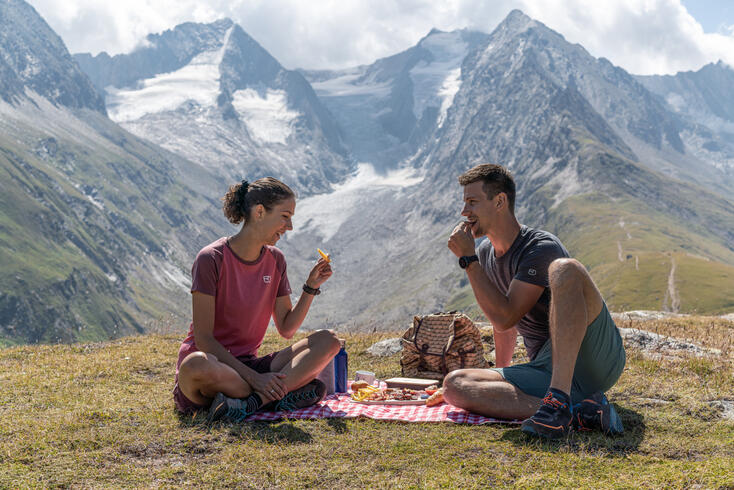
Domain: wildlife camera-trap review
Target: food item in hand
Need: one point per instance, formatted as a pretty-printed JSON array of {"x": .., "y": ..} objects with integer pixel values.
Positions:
[
  {"x": 359, "y": 384},
  {"x": 323, "y": 254},
  {"x": 435, "y": 399}
]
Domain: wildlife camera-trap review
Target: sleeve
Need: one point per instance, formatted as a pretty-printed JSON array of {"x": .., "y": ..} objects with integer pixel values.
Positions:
[
  {"x": 533, "y": 265},
  {"x": 483, "y": 250},
  {"x": 205, "y": 273}
]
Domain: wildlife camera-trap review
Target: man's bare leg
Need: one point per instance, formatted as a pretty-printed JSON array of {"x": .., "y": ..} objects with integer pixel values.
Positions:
[
  {"x": 575, "y": 303},
  {"x": 486, "y": 392}
]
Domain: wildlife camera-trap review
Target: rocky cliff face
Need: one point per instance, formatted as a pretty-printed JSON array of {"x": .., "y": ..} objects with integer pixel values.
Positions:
[
  {"x": 704, "y": 97},
  {"x": 33, "y": 57},
  {"x": 389, "y": 108}
]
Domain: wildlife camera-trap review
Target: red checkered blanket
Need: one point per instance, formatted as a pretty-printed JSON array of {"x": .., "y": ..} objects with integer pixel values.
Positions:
[{"x": 341, "y": 406}]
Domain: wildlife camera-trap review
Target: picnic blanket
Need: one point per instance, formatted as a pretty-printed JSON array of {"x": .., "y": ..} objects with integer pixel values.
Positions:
[{"x": 339, "y": 405}]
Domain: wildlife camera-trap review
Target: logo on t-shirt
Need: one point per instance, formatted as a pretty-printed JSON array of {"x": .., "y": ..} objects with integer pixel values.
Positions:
[
  {"x": 531, "y": 272},
  {"x": 266, "y": 279}
]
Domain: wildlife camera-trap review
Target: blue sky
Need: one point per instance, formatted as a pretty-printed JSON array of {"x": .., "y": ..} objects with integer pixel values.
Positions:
[
  {"x": 642, "y": 36},
  {"x": 714, "y": 15}
]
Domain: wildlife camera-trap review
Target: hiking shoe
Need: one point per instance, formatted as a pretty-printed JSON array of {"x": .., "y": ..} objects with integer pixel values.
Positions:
[
  {"x": 553, "y": 418},
  {"x": 228, "y": 409},
  {"x": 596, "y": 413},
  {"x": 303, "y": 397}
]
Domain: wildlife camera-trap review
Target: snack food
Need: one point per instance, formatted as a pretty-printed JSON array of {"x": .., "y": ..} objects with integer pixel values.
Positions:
[
  {"x": 359, "y": 384},
  {"x": 388, "y": 395},
  {"x": 323, "y": 254},
  {"x": 435, "y": 399}
]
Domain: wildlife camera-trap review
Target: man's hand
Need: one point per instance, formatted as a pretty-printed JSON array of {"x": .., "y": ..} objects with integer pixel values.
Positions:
[{"x": 461, "y": 241}]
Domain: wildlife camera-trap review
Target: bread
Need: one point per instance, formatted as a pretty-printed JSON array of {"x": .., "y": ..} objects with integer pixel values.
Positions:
[
  {"x": 359, "y": 384},
  {"x": 435, "y": 399}
]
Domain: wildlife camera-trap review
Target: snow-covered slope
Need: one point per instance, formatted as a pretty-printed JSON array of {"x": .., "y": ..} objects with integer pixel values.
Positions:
[
  {"x": 210, "y": 93},
  {"x": 388, "y": 108}
]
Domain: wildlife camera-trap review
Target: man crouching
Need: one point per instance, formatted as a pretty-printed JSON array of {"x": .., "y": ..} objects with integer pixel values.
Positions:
[{"x": 525, "y": 282}]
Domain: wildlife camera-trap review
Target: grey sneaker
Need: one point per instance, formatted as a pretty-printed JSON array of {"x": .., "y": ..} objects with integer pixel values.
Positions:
[
  {"x": 228, "y": 409},
  {"x": 303, "y": 397}
]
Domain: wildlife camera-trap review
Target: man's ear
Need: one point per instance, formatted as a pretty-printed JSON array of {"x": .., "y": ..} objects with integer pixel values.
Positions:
[{"x": 501, "y": 199}]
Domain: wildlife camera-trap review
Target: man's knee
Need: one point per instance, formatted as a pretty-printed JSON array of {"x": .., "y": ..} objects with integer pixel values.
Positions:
[
  {"x": 460, "y": 385},
  {"x": 453, "y": 386},
  {"x": 565, "y": 273}
]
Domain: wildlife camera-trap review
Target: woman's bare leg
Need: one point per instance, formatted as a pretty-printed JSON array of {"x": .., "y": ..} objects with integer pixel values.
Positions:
[
  {"x": 305, "y": 359},
  {"x": 201, "y": 376}
]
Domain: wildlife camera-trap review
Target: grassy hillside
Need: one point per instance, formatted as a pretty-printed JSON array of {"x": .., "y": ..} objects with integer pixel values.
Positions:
[
  {"x": 101, "y": 415},
  {"x": 96, "y": 228},
  {"x": 630, "y": 249}
]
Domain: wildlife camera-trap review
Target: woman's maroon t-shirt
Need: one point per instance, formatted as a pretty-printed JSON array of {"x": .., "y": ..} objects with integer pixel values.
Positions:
[{"x": 244, "y": 293}]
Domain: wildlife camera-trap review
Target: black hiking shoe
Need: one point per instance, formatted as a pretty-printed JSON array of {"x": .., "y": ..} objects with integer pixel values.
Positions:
[
  {"x": 596, "y": 413},
  {"x": 303, "y": 397},
  {"x": 229, "y": 409},
  {"x": 553, "y": 418}
]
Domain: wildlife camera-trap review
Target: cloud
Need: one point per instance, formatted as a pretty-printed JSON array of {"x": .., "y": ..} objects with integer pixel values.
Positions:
[{"x": 642, "y": 36}]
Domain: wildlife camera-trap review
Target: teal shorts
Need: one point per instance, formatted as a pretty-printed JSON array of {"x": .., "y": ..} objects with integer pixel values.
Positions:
[{"x": 599, "y": 364}]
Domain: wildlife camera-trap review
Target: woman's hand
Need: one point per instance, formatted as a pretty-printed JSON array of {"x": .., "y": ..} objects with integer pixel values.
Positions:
[
  {"x": 319, "y": 274},
  {"x": 270, "y": 385}
]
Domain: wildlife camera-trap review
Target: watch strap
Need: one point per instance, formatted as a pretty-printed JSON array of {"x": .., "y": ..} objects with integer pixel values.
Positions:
[{"x": 466, "y": 260}]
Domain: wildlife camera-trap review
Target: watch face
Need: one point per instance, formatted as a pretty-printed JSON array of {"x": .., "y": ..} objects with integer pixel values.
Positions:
[{"x": 465, "y": 261}]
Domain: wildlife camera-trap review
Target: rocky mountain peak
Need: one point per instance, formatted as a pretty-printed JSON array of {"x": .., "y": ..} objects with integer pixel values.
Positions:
[
  {"x": 516, "y": 23},
  {"x": 32, "y": 56}
]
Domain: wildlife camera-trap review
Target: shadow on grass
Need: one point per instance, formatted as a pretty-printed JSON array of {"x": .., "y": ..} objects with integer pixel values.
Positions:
[
  {"x": 596, "y": 442},
  {"x": 272, "y": 432},
  {"x": 338, "y": 424},
  {"x": 268, "y": 431}
]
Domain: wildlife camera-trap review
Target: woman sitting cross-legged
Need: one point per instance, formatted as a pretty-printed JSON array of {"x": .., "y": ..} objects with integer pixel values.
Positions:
[{"x": 238, "y": 284}]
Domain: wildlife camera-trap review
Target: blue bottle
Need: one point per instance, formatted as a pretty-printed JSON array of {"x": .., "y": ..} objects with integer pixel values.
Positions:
[{"x": 340, "y": 368}]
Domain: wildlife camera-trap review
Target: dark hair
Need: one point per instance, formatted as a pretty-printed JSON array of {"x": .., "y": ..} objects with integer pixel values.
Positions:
[
  {"x": 496, "y": 179},
  {"x": 242, "y": 197}
]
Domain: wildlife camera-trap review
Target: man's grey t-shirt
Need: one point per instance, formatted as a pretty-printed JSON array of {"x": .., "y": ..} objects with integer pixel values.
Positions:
[{"x": 527, "y": 260}]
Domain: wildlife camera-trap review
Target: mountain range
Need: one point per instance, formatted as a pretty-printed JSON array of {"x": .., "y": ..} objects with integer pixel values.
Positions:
[
  {"x": 96, "y": 224},
  {"x": 114, "y": 166}
]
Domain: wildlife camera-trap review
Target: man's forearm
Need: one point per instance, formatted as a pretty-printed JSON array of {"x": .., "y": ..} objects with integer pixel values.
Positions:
[
  {"x": 504, "y": 346},
  {"x": 493, "y": 303}
]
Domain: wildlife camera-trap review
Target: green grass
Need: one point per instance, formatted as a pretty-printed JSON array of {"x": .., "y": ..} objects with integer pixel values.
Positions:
[
  {"x": 101, "y": 415},
  {"x": 599, "y": 230}
]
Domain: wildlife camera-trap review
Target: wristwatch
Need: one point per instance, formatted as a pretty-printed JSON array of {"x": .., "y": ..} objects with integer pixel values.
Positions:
[
  {"x": 308, "y": 289},
  {"x": 466, "y": 260}
]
